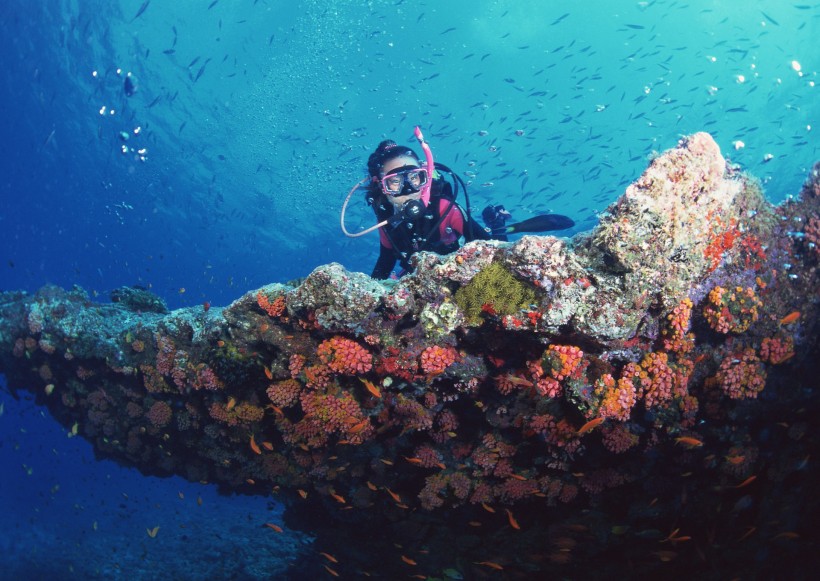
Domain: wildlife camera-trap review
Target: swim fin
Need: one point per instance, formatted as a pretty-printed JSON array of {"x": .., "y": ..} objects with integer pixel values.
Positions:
[{"x": 543, "y": 223}]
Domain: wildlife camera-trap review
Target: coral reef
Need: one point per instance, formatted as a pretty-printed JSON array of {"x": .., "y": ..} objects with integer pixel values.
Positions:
[{"x": 653, "y": 366}]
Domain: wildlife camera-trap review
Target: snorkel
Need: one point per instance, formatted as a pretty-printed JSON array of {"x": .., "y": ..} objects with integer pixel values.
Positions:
[
  {"x": 431, "y": 168},
  {"x": 425, "y": 189}
]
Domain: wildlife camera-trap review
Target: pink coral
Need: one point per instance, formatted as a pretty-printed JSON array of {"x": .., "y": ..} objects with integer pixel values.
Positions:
[
  {"x": 775, "y": 350},
  {"x": 742, "y": 375},
  {"x": 345, "y": 356},
  {"x": 436, "y": 359},
  {"x": 618, "y": 438},
  {"x": 284, "y": 393},
  {"x": 159, "y": 414}
]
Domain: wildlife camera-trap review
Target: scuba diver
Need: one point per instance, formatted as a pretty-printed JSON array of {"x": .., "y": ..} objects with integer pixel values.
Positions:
[{"x": 417, "y": 211}]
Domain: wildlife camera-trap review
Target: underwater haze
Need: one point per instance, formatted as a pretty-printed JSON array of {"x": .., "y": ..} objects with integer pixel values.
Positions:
[{"x": 204, "y": 148}]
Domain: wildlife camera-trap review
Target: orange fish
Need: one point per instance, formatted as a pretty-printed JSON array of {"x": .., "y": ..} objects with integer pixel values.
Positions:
[
  {"x": 331, "y": 571},
  {"x": 268, "y": 373},
  {"x": 220, "y": 343},
  {"x": 413, "y": 460},
  {"x": 790, "y": 318},
  {"x": 515, "y": 380},
  {"x": 329, "y": 557},
  {"x": 250, "y": 481},
  {"x": 254, "y": 447},
  {"x": 231, "y": 404},
  {"x": 393, "y": 495},
  {"x": 487, "y": 507},
  {"x": 338, "y": 498},
  {"x": 513, "y": 523},
  {"x": 490, "y": 564},
  {"x": 374, "y": 391},
  {"x": 302, "y": 493},
  {"x": 267, "y": 446},
  {"x": 689, "y": 442},
  {"x": 371, "y": 486},
  {"x": 735, "y": 460},
  {"x": 746, "y": 482},
  {"x": 408, "y": 560},
  {"x": 590, "y": 425},
  {"x": 360, "y": 426},
  {"x": 277, "y": 528},
  {"x": 518, "y": 477}
]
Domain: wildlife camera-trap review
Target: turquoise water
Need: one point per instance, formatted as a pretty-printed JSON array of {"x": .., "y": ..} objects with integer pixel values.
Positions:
[{"x": 250, "y": 122}]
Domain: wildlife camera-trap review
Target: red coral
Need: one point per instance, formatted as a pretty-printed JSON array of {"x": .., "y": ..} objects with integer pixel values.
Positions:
[
  {"x": 345, "y": 356},
  {"x": 436, "y": 359},
  {"x": 618, "y": 438}
]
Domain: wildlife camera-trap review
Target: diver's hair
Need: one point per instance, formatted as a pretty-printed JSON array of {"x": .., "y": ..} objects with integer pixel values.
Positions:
[{"x": 387, "y": 150}]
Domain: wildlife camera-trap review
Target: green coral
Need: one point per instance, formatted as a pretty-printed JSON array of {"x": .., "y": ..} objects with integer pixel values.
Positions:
[{"x": 496, "y": 287}]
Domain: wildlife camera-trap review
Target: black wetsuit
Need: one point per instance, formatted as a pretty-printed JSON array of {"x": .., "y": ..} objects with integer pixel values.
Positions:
[{"x": 423, "y": 233}]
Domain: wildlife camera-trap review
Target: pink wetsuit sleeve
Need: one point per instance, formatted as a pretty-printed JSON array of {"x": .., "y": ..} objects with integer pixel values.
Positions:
[{"x": 454, "y": 221}]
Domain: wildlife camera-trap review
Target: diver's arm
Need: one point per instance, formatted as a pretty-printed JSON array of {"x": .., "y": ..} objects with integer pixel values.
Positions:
[{"x": 385, "y": 263}]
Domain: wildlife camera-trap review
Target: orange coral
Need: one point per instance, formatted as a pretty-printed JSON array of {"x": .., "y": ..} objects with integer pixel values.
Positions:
[
  {"x": 274, "y": 308},
  {"x": 731, "y": 311},
  {"x": 617, "y": 398},
  {"x": 562, "y": 361},
  {"x": 675, "y": 336},
  {"x": 344, "y": 356},
  {"x": 436, "y": 359}
]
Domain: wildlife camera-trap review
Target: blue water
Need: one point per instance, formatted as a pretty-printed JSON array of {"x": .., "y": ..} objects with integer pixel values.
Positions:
[{"x": 251, "y": 121}]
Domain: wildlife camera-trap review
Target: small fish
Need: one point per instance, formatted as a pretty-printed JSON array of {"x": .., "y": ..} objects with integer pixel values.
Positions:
[
  {"x": 142, "y": 9},
  {"x": 231, "y": 404},
  {"x": 689, "y": 442},
  {"x": 338, "y": 498},
  {"x": 254, "y": 446},
  {"x": 359, "y": 426},
  {"x": 490, "y": 564},
  {"x": 590, "y": 425},
  {"x": 329, "y": 557},
  {"x": 331, "y": 571},
  {"x": 268, "y": 372},
  {"x": 790, "y": 318},
  {"x": 393, "y": 495},
  {"x": 408, "y": 560},
  {"x": 513, "y": 523},
  {"x": 487, "y": 507},
  {"x": 515, "y": 380},
  {"x": 416, "y": 461},
  {"x": 267, "y": 446},
  {"x": 302, "y": 493},
  {"x": 152, "y": 532},
  {"x": 199, "y": 500},
  {"x": 371, "y": 486},
  {"x": 746, "y": 482},
  {"x": 276, "y": 528},
  {"x": 374, "y": 391}
]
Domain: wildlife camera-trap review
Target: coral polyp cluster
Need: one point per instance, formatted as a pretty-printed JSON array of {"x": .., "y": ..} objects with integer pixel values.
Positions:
[
  {"x": 513, "y": 387},
  {"x": 731, "y": 310}
]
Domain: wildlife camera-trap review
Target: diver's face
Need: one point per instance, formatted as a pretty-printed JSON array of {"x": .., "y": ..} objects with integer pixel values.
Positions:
[{"x": 403, "y": 161}]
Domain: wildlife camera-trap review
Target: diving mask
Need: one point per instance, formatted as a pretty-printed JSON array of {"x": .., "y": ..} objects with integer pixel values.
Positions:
[{"x": 404, "y": 181}]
